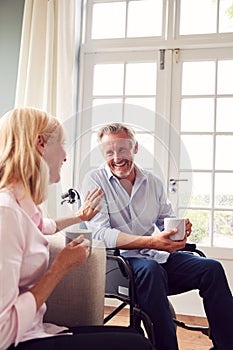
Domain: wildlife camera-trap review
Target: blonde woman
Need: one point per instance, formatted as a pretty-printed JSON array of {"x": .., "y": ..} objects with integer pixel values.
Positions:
[{"x": 31, "y": 156}]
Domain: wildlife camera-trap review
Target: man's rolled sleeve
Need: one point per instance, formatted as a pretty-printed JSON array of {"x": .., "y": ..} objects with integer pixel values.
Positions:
[{"x": 107, "y": 235}]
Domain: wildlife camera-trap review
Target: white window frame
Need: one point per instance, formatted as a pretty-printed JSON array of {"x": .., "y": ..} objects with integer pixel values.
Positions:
[{"x": 93, "y": 50}]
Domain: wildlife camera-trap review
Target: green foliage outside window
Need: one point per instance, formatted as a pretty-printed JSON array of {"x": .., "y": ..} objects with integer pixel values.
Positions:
[{"x": 199, "y": 219}]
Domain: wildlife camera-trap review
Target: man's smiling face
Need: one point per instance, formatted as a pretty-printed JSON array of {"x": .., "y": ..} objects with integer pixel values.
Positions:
[{"x": 119, "y": 151}]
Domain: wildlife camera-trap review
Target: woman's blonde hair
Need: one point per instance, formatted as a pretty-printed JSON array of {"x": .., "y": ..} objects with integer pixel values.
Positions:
[{"x": 20, "y": 160}]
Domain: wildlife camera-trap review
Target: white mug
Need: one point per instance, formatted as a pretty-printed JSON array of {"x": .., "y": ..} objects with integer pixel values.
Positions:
[
  {"x": 171, "y": 223},
  {"x": 72, "y": 234}
]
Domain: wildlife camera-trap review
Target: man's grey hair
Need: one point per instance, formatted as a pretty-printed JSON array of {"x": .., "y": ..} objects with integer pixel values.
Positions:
[{"x": 115, "y": 128}]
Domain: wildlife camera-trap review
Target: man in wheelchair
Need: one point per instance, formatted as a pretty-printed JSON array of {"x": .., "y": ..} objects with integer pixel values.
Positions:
[{"x": 134, "y": 203}]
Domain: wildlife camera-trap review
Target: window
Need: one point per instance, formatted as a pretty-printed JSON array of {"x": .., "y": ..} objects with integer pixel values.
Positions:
[
  {"x": 206, "y": 136},
  {"x": 166, "y": 68},
  {"x": 126, "y": 19},
  {"x": 194, "y": 14}
]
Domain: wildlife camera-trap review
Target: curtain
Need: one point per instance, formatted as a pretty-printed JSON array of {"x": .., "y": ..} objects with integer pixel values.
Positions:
[{"x": 47, "y": 67}]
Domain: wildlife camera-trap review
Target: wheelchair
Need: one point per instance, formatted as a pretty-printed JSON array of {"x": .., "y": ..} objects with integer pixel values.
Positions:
[{"x": 120, "y": 286}]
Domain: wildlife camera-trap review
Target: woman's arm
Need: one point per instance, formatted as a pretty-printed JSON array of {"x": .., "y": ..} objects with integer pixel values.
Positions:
[
  {"x": 73, "y": 255},
  {"x": 23, "y": 258}
]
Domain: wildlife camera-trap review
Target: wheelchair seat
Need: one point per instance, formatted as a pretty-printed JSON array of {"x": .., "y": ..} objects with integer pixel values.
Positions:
[{"x": 120, "y": 285}]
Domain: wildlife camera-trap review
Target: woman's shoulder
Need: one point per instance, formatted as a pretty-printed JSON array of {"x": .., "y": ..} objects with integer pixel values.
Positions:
[{"x": 8, "y": 201}]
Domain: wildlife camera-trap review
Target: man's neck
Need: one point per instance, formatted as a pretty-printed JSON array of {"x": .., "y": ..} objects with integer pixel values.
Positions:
[
  {"x": 127, "y": 185},
  {"x": 128, "y": 182}
]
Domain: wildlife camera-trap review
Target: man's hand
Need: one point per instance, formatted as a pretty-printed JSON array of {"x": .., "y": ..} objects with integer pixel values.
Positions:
[
  {"x": 162, "y": 241},
  {"x": 188, "y": 227}
]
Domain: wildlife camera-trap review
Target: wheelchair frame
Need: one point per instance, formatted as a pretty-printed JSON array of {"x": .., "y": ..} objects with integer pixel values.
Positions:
[{"x": 136, "y": 314}]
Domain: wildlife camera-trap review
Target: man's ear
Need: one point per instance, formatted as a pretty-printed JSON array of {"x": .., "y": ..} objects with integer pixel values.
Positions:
[
  {"x": 135, "y": 149},
  {"x": 40, "y": 144}
]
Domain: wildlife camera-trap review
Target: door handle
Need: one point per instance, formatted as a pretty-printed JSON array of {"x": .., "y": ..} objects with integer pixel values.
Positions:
[{"x": 172, "y": 184}]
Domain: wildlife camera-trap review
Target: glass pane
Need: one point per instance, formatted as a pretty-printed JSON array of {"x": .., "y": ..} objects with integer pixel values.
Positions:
[
  {"x": 226, "y": 16},
  {"x": 109, "y": 20},
  {"x": 106, "y": 110},
  {"x": 200, "y": 229},
  {"x": 198, "y": 78},
  {"x": 96, "y": 156},
  {"x": 224, "y": 114},
  {"x": 225, "y": 77},
  {"x": 198, "y": 16},
  {"x": 145, "y": 155},
  {"x": 146, "y": 102},
  {"x": 223, "y": 190},
  {"x": 223, "y": 234},
  {"x": 200, "y": 151},
  {"x": 184, "y": 188},
  {"x": 201, "y": 189},
  {"x": 145, "y": 18},
  {"x": 140, "y": 111},
  {"x": 141, "y": 78},
  {"x": 197, "y": 114},
  {"x": 108, "y": 79},
  {"x": 223, "y": 146}
]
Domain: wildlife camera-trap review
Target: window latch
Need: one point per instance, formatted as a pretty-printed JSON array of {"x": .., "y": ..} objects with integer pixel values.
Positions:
[
  {"x": 176, "y": 55},
  {"x": 162, "y": 58}
]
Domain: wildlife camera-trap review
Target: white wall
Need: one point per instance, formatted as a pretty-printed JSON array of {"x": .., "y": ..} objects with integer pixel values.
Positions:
[{"x": 11, "y": 15}]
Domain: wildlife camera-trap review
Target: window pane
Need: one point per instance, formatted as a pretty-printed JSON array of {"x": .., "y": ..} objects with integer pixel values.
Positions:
[
  {"x": 198, "y": 16},
  {"x": 96, "y": 156},
  {"x": 109, "y": 20},
  {"x": 225, "y": 16},
  {"x": 200, "y": 229},
  {"x": 198, "y": 78},
  {"x": 146, "y": 102},
  {"x": 184, "y": 188},
  {"x": 105, "y": 110},
  {"x": 145, "y": 18},
  {"x": 141, "y": 78},
  {"x": 224, "y": 144},
  {"x": 225, "y": 77},
  {"x": 223, "y": 190},
  {"x": 224, "y": 114},
  {"x": 108, "y": 79},
  {"x": 201, "y": 189},
  {"x": 140, "y": 111},
  {"x": 145, "y": 155},
  {"x": 223, "y": 234},
  {"x": 199, "y": 149},
  {"x": 197, "y": 114}
]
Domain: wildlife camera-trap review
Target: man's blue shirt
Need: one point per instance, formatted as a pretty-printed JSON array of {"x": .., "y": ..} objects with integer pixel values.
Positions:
[{"x": 140, "y": 214}]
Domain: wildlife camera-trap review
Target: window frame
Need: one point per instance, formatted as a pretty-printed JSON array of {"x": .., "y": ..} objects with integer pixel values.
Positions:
[{"x": 90, "y": 48}]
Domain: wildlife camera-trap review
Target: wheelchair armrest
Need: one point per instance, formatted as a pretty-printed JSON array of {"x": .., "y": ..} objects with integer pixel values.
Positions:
[
  {"x": 112, "y": 252},
  {"x": 189, "y": 247},
  {"x": 192, "y": 248}
]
